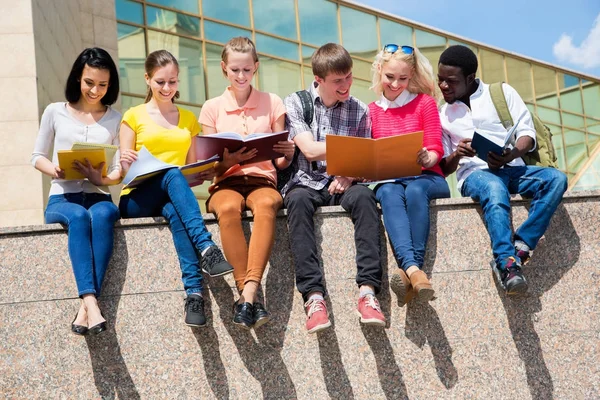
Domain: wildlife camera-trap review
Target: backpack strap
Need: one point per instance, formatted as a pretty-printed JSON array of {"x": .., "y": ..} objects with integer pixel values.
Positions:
[
  {"x": 497, "y": 95},
  {"x": 308, "y": 108}
]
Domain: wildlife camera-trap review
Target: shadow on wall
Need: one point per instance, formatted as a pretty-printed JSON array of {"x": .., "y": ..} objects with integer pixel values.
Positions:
[
  {"x": 111, "y": 375},
  {"x": 556, "y": 253}
]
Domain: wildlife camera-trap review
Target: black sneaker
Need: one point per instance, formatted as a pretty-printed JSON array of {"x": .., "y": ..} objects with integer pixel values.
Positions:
[
  {"x": 243, "y": 315},
  {"x": 510, "y": 276},
  {"x": 214, "y": 263},
  {"x": 194, "y": 311},
  {"x": 260, "y": 316}
]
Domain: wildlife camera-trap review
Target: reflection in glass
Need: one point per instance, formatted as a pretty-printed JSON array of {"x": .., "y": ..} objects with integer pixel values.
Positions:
[
  {"x": 544, "y": 82},
  {"x": 172, "y": 21},
  {"x": 359, "y": 41},
  {"x": 362, "y": 69},
  {"x": 573, "y": 121},
  {"x": 279, "y": 77},
  {"x": 276, "y": 17},
  {"x": 222, "y": 33},
  {"x": 130, "y": 11},
  {"x": 557, "y": 141},
  {"x": 570, "y": 100},
  {"x": 132, "y": 54},
  {"x": 307, "y": 53},
  {"x": 234, "y": 11},
  {"x": 190, "y": 6},
  {"x": 319, "y": 13},
  {"x": 431, "y": 46},
  {"x": 549, "y": 116},
  {"x": 591, "y": 100},
  {"x": 593, "y": 126},
  {"x": 276, "y": 47},
  {"x": 393, "y": 32},
  {"x": 491, "y": 65},
  {"x": 189, "y": 55},
  {"x": 567, "y": 81},
  {"x": 360, "y": 90},
  {"x": 519, "y": 77}
]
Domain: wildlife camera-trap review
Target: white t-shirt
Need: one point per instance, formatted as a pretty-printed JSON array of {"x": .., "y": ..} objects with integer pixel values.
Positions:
[
  {"x": 61, "y": 129},
  {"x": 460, "y": 122}
]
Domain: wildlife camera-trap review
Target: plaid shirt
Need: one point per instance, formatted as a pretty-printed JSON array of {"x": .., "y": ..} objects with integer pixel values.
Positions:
[{"x": 348, "y": 118}]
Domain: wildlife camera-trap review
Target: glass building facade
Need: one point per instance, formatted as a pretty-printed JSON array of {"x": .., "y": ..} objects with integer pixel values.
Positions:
[{"x": 287, "y": 32}]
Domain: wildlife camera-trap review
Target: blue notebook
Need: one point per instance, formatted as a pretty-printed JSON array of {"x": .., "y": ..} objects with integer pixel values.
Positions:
[{"x": 482, "y": 145}]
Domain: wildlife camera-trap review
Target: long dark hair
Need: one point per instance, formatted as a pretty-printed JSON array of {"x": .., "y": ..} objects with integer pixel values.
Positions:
[
  {"x": 159, "y": 59},
  {"x": 95, "y": 57}
]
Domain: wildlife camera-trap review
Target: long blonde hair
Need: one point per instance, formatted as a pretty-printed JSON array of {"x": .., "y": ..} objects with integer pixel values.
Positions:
[{"x": 422, "y": 80}]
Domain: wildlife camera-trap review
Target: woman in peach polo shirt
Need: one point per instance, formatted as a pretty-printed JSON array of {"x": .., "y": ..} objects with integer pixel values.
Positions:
[{"x": 245, "y": 110}]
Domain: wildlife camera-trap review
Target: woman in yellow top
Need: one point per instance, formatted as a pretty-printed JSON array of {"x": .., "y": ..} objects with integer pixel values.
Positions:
[
  {"x": 245, "y": 110},
  {"x": 167, "y": 131}
]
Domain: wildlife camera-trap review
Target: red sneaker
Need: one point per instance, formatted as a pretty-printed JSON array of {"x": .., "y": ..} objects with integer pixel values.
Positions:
[
  {"x": 370, "y": 311},
  {"x": 317, "y": 317}
]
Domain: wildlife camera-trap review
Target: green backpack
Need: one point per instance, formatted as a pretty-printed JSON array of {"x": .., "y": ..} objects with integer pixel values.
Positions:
[{"x": 544, "y": 154}]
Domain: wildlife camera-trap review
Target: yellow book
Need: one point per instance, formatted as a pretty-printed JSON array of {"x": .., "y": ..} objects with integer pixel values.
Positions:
[{"x": 96, "y": 153}]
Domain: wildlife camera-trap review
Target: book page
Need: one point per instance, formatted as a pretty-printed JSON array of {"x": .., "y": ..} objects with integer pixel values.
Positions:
[
  {"x": 144, "y": 167},
  {"x": 109, "y": 149}
]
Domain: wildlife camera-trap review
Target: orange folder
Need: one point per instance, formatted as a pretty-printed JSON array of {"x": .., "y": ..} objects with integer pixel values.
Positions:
[{"x": 374, "y": 159}]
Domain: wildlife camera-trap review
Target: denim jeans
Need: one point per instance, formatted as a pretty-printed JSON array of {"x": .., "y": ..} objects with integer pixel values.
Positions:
[
  {"x": 405, "y": 207},
  {"x": 492, "y": 189},
  {"x": 301, "y": 203},
  {"x": 169, "y": 195},
  {"x": 90, "y": 219}
]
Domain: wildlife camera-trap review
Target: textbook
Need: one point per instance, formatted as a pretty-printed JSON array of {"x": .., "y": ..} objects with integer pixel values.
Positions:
[
  {"x": 146, "y": 166},
  {"x": 208, "y": 145},
  {"x": 374, "y": 159},
  {"x": 482, "y": 145},
  {"x": 95, "y": 153}
]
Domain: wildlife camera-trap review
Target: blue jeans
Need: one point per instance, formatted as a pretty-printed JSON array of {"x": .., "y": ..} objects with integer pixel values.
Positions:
[
  {"x": 405, "y": 208},
  {"x": 169, "y": 195},
  {"x": 492, "y": 189},
  {"x": 90, "y": 219}
]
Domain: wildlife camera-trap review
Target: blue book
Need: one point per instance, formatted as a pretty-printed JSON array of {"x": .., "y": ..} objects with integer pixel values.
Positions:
[{"x": 482, "y": 145}]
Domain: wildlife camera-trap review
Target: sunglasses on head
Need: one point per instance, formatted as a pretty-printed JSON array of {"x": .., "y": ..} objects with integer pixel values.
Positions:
[{"x": 392, "y": 48}]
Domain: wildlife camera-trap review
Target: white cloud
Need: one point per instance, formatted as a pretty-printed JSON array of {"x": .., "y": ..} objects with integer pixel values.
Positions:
[{"x": 587, "y": 55}]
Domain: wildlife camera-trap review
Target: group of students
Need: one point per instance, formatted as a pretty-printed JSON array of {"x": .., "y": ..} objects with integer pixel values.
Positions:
[{"x": 405, "y": 84}]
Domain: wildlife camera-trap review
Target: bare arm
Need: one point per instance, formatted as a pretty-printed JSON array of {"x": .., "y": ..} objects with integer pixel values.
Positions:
[
  {"x": 127, "y": 139},
  {"x": 450, "y": 163},
  {"x": 313, "y": 151}
]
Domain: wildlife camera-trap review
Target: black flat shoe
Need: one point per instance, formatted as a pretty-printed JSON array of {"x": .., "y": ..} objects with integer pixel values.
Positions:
[
  {"x": 260, "y": 315},
  {"x": 242, "y": 315},
  {"x": 98, "y": 328},
  {"x": 78, "y": 329}
]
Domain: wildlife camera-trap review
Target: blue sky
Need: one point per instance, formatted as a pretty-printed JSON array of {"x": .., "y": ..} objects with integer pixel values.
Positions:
[{"x": 564, "y": 33}]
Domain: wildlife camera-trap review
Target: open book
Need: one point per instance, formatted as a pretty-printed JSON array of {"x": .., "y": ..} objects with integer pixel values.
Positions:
[
  {"x": 146, "y": 166},
  {"x": 374, "y": 159},
  {"x": 208, "y": 145},
  {"x": 95, "y": 153},
  {"x": 482, "y": 145}
]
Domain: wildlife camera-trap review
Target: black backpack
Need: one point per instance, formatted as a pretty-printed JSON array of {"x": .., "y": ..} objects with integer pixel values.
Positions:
[{"x": 284, "y": 175}]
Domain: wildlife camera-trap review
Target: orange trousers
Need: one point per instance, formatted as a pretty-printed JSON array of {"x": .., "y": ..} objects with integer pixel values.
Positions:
[{"x": 227, "y": 201}]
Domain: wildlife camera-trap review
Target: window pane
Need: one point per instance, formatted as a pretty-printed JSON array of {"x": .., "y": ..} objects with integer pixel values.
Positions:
[
  {"x": 308, "y": 77},
  {"x": 557, "y": 141},
  {"x": 132, "y": 54},
  {"x": 234, "y": 11},
  {"x": 519, "y": 77},
  {"x": 189, "y": 55},
  {"x": 395, "y": 33},
  {"x": 544, "y": 81},
  {"x": 431, "y": 46},
  {"x": 567, "y": 81},
  {"x": 576, "y": 149},
  {"x": 215, "y": 79},
  {"x": 129, "y": 101},
  {"x": 360, "y": 89},
  {"x": 593, "y": 126},
  {"x": 222, "y": 33},
  {"x": 573, "y": 121},
  {"x": 452, "y": 42},
  {"x": 549, "y": 116},
  {"x": 358, "y": 41},
  {"x": 276, "y": 47},
  {"x": 190, "y": 6},
  {"x": 491, "y": 66},
  {"x": 591, "y": 99},
  {"x": 321, "y": 14},
  {"x": 570, "y": 100},
  {"x": 285, "y": 22},
  {"x": 361, "y": 69},
  {"x": 130, "y": 11},
  {"x": 307, "y": 53},
  {"x": 172, "y": 21},
  {"x": 279, "y": 77}
]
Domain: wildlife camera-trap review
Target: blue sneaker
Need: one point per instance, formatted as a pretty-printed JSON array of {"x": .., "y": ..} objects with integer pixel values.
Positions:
[{"x": 510, "y": 277}]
